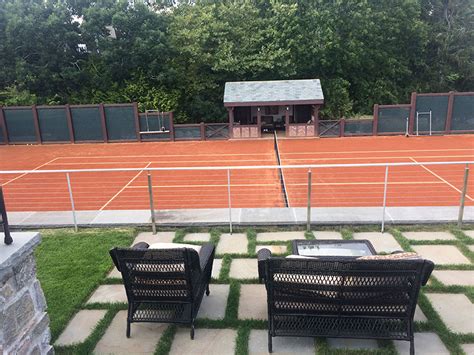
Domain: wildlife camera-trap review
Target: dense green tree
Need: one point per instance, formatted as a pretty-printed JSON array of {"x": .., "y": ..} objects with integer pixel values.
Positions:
[{"x": 177, "y": 55}]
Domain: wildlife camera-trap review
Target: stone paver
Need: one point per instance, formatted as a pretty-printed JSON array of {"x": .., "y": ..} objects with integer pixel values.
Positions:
[
  {"x": 425, "y": 344},
  {"x": 115, "y": 273},
  {"x": 441, "y": 254},
  {"x": 253, "y": 302},
  {"x": 197, "y": 237},
  {"x": 455, "y": 277},
  {"x": 243, "y": 269},
  {"x": 258, "y": 344},
  {"x": 382, "y": 242},
  {"x": 206, "y": 342},
  {"x": 469, "y": 233},
  {"x": 150, "y": 238},
  {"x": 213, "y": 306},
  {"x": 429, "y": 236},
  {"x": 352, "y": 344},
  {"x": 143, "y": 337},
  {"x": 232, "y": 244},
  {"x": 216, "y": 268},
  {"x": 455, "y": 310},
  {"x": 108, "y": 294},
  {"x": 419, "y": 315},
  {"x": 275, "y": 249},
  {"x": 80, "y": 327},
  {"x": 468, "y": 348},
  {"x": 279, "y": 236},
  {"x": 324, "y": 235}
]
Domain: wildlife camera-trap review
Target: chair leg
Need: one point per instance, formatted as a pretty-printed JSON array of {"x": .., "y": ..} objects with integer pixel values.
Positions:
[
  {"x": 412, "y": 347},
  {"x": 270, "y": 347},
  {"x": 207, "y": 290},
  {"x": 128, "y": 329},
  {"x": 192, "y": 330}
]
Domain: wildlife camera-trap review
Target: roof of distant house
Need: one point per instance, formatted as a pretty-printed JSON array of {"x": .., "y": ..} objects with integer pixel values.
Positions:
[{"x": 275, "y": 92}]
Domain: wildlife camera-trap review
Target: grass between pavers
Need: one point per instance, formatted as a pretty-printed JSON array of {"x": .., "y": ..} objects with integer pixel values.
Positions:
[
  {"x": 244, "y": 327},
  {"x": 71, "y": 265}
]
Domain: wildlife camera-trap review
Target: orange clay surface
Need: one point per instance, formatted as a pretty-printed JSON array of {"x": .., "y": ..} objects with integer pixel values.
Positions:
[{"x": 331, "y": 187}]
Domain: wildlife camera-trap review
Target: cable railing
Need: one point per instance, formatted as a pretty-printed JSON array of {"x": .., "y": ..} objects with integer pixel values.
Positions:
[{"x": 306, "y": 188}]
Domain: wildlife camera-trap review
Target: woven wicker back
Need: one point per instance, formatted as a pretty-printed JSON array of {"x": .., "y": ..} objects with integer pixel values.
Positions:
[
  {"x": 360, "y": 295},
  {"x": 158, "y": 275}
]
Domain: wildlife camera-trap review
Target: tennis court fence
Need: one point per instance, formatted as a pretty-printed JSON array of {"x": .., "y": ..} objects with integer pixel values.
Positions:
[{"x": 279, "y": 194}]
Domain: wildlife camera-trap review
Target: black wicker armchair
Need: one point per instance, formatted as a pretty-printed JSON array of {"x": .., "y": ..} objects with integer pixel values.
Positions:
[
  {"x": 164, "y": 285},
  {"x": 342, "y": 297}
]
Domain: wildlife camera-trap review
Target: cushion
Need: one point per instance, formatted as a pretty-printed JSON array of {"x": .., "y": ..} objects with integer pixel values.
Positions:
[
  {"x": 300, "y": 257},
  {"x": 394, "y": 256},
  {"x": 174, "y": 246}
]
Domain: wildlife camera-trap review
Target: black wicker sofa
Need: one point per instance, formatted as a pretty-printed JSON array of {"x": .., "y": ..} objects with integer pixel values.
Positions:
[
  {"x": 164, "y": 285},
  {"x": 342, "y": 296}
]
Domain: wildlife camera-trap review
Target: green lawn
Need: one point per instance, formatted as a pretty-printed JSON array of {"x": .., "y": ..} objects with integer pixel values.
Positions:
[{"x": 71, "y": 265}]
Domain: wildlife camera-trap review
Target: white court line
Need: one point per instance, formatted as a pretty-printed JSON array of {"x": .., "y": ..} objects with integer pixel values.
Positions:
[
  {"x": 166, "y": 162},
  {"x": 439, "y": 177},
  {"x": 165, "y": 155},
  {"x": 378, "y": 151},
  {"x": 289, "y": 184},
  {"x": 374, "y": 158},
  {"x": 16, "y": 178},
  {"x": 123, "y": 188}
]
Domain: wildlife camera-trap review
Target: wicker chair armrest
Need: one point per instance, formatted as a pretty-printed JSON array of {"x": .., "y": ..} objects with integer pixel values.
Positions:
[
  {"x": 206, "y": 254},
  {"x": 262, "y": 255},
  {"x": 141, "y": 245},
  {"x": 428, "y": 267}
]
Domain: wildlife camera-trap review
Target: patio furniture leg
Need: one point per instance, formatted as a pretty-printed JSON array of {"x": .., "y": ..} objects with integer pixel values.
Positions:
[
  {"x": 128, "y": 328},
  {"x": 207, "y": 290},
  {"x": 270, "y": 348},
  {"x": 192, "y": 330},
  {"x": 412, "y": 346}
]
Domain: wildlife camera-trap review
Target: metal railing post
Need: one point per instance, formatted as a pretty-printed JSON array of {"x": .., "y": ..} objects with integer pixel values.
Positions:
[
  {"x": 463, "y": 195},
  {"x": 384, "y": 198},
  {"x": 71, "y": 197},
  {"x": 152, "y": 205},
  {"x": 229, "y": 200},
  {"x": 308, "y": 213}
]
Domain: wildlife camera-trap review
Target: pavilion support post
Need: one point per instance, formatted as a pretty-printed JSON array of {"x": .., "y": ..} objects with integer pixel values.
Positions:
[
  {"x": 287, "y": 121},
  {"x": 259, "y": 121},
  {"x": 230, "y": 110},
  {"x": 315, "y": 114}
]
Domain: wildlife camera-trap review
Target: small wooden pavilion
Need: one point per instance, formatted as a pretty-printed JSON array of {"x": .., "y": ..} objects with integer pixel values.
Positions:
[{"x": 264, "y": 106}]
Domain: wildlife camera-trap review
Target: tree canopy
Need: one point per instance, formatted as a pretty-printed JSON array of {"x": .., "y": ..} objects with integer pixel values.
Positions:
[{"x": 177, "y": 55}]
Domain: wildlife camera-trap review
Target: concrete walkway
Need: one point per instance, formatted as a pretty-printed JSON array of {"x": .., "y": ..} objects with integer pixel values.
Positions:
[{"x": 243, "y": 216}]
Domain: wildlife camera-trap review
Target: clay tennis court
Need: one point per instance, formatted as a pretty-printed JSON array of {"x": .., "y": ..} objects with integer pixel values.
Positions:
[{"x": 426, "y": 185}]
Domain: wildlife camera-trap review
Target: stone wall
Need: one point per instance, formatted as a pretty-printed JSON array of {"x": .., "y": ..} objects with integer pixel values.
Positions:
[{"x": 24, "y": 323}]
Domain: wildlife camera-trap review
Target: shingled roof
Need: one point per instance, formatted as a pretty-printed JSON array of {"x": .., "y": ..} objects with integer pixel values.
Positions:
[{"x": 276, "y": 92}]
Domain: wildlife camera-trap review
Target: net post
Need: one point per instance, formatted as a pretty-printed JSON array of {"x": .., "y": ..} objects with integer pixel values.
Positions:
[
  {"x": 71, "y": 197},
  {"x": 229, "y": 201},
  {"x": 152, "y": 205},
  {"x": 308, "y": 212},
  {"x": 384, "y": 198},
  {"x": 463, "y": 195}
]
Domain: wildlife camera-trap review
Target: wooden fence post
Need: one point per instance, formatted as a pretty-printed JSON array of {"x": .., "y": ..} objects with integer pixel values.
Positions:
[
  {"x": 411, "y": 121},
  {"x": 103, "y": 123},
  {"x": 376, "y": 120},
  {"x": 3, "y": 125},
  {"x": 36, "y": 123},
  {"x": 449, "y": 115}
]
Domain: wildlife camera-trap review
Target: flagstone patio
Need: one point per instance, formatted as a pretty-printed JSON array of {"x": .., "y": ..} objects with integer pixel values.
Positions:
[{"x": 234, "y": 305}]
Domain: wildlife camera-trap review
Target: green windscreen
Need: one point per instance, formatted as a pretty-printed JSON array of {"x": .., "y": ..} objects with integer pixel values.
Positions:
[
  {"x": 20, "y": 125},
  {"x": 361, "y": 127},
  {"x": 3, "y": 134},
  {"x": 120, "y": 121},
  {"x": 87, "y": 124},
  {"x": 438, "y": 105},
  {"x": 393, "y": 119},
  {"x": 53, "y": 124},
  {"x": 187, "y": 132},
  {"x": 463, "y": 113}
]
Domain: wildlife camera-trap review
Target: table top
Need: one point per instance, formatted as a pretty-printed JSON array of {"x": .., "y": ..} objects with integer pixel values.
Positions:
[{"x": 349, "y": 248}]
